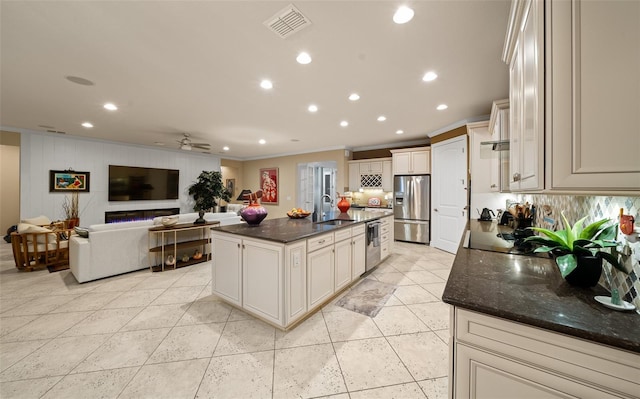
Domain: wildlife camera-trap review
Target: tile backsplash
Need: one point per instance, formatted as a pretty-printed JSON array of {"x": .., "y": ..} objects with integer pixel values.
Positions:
[{"x": 598, "y": 207}]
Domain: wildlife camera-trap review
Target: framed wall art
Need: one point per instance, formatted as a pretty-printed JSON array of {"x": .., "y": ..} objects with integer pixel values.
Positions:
[
  {"x": 231, "y": 187},
  {"x": 68, "y": 180},
  {"x": 269, "y": 185}
]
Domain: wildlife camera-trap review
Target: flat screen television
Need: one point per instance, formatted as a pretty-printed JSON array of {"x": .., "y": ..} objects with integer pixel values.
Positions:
[{"x": 130, "y": 183}]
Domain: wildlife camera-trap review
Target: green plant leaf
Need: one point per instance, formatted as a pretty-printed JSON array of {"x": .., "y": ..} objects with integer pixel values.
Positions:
[
  {"x": 578, "y": 250},
  {"x": 587, "y": 244},
  {"x": 569, "y": 231},
  {"x": 544, "y": 249},
  {"x": 608, "y": 234},
  {"x": 578, "y": 228},
  {"x": 613, "y": 260},
  {"x": 541, "y": 241},
  {"x": 556, "y": 236},
  {"x": 566, "y": 264},
  {"x": 590, "y": 232}
]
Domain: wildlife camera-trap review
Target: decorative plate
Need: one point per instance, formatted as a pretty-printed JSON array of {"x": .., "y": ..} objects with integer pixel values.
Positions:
[
  {"x": 606, "y": 301},
  {"x": 374, "y": 201}
]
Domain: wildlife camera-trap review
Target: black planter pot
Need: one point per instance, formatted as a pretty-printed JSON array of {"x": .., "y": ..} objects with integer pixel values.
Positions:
[{"x": 587, "y": 273}]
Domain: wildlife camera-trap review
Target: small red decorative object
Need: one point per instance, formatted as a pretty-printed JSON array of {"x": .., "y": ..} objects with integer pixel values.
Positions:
[{"x": 343, "y": 204}]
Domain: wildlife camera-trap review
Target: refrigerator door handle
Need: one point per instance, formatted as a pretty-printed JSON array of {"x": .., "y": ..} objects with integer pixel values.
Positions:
[{"x": 404, "y": 221}]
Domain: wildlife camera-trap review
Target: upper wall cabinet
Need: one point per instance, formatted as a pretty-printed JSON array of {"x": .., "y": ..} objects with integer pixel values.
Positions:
[
  {"x": 370, "y": 173},
  {"x": 524, "y": 53},
  {"x": 593, "y": 95},
  {"x": 574, "y": 95},
  {"x": 412, "y": 161}
]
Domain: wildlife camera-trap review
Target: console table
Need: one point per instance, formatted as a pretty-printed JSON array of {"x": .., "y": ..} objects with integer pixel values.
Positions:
[{"x": 178, "y": 240}]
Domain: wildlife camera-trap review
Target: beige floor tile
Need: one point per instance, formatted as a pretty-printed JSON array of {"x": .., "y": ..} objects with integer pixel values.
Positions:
[
  {"x": 246, "y": 376},
  {"x": 435, "y": 389},
  {"x": 396, "y": 278},
  {"x": 42, "y": 305},
  {"x": 57, "y": 357},
  {"x": 8, "y": 303},
  {"x": 13, "y": 352},
  {"x": 104, "y": 321},
  {"x": 89, "y": 301},
  {"x": 95, "y": 385},
  {"x": 206, "y": 312},
  {"x": 423, "y": 277},
  {"x": 207, "y": 294},
  {"x": 442, "y": 273},
  {"x": 338, "y": 396},
  {"x": 403, "y": 391},
  {"x": 393, "y": 300},
  {"x": 27, "y": 389},
  {"x": 443, "y": 335},
  {"x": 199, "y": 278},
  {"x": 246, "y": 336},
  {"x": 188, "y": 342},
  {"x": 436, "y": 289},
  {"x": 46, "y": 326},
  {"x": 386, "y": 267},
  {"x": 410, "y": 294},
  {"x": 134, "y": 299},
  {"x": 178, "y": 295},
  {"x": 174, "y": 380},
  {"x": 157, "y": 280},
  {"x": 237, "y": 315},
  {"x": 157, "y": 317},
  {"x": 407, "y": 266},
  {"x": 121, "y": 283},
  {"x": 370, "y": 363},
  {"x": 424, "y": 354},
  {"x": 435, "y": 315},
  {"x": 311, "y": 332},
  {"x": 431, "y": 264},
  {"x": 9, "y": 324},
  {"x": 124, "y": 349},
  {"x": 396, "y": 320},
  {"x": 306, "y": 372},
  {"x": 347, "y": 325}
]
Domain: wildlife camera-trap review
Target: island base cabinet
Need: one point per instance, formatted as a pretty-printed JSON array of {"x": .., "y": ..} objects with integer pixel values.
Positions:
[
  {"x": 359, "y": 255},
  {"x": 295, "y": 282},
  {"x": 263, "y": 277},
  {"x": 227, "y": 268},
  {"x": 498, "y": 358},
  {"x": 320, "y": 273},
  {"x": 343, "y": 259}
]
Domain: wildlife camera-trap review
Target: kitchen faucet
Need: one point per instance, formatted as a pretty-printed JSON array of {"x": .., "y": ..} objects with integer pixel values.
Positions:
[{"x": 330, "y": 199}]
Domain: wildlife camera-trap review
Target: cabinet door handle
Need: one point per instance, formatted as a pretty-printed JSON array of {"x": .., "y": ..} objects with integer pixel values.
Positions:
[
  {"x": 321, "y": 242},
  {"x": 435, "y": 209},
  {"x": 493, "y": 186},
  {"x": 238, "y": 245},
  {"x": 516, "y": 176},
  {"x": 243, "y": 246}
]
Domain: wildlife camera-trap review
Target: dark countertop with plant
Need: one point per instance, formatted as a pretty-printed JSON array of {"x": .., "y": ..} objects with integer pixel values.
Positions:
[
  {"x": 531, "y": 290},
  {"x": 285, "y": 230}
]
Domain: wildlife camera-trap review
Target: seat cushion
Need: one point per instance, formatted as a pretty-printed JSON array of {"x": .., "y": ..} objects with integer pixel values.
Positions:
[
  {"x": 38, "y": 220},
  {"x": 24, "y": 228}
]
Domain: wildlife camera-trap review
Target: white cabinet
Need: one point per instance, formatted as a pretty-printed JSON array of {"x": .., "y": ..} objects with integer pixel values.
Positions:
[
  {"x": 295, "y": 297},
  {"x": 371, "y": 173},
  {"x": 526, "y": 95},
  {"x": 320, "y": 276},
  {"x": 358, "y": 254},
  {"x": 497, "y": 358},
  {"x": 386, "y": 237},
  {"x": 411, "y": 161},
  {"x": 227, "y": 267},
  {"x": 482, "y": 159},
  {"x": 343, "y": 260},
  {"x": 262, "y": 279},
  {"x": 499, "y": 130},
  {"x": 593, "y": 95}
]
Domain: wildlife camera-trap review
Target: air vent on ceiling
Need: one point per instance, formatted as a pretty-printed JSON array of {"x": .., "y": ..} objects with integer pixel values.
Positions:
[
  {"x": 56, "y": 131},
  {"x": 287, "y": 21}
]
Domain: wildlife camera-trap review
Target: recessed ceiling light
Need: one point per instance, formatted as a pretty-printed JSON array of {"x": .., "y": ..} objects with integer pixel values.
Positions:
[
  {"x": 266, "y": 84},
  {"x": 442, "y": 107},
  {"x": 313, "y": 108},
  {"x": 110, "y": 106},
  {"x": 429, "y": 76},
  {"x": 399, "y": 131},
  {"x": 382, "y": 118},
  {"x": 87, "y": 124},
  {"x": 79, "y": 80},
  {"x": 403, "y": 15},
  {"x": 354, "y": 97},
  {"x": 344, "y": 123},
  {"x": 225, "y": 148},
  {"x": 303, "y": 58},
  {"x": 262, "y": 141}
]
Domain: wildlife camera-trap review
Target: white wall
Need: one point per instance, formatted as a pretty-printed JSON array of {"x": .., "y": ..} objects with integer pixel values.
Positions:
[{"x": 40, "y": 153}]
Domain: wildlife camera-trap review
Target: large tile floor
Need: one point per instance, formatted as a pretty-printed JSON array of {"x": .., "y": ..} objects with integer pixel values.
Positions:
[{"x": 164, "y": 335}]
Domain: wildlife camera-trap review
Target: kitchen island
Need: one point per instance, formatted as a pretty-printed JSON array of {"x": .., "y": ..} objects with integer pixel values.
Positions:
[
  {"x": 285, "y": 269},
  {"x": 519, "y": 330}
]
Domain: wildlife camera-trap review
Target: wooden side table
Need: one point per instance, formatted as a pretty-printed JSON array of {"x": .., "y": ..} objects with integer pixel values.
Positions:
[{"x": 164, "y": 241}]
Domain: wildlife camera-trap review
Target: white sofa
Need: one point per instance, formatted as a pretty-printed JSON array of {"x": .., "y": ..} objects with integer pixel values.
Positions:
[{"x": 118, "y": 248}]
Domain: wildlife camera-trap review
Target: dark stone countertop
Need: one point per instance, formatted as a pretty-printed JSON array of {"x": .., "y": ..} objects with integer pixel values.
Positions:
[
  {"x": 285, "y": 230},
  {"x": 530, "y": 290}
]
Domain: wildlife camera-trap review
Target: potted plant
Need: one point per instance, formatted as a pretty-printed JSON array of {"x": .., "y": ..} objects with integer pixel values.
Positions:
[
  {"x": 70, "y": 208},
  {"x": 208, "y": 190},
  {"x": 578, "y": 250}
]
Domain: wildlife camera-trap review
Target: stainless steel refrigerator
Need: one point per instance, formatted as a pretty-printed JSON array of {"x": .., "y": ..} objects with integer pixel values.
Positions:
[{"x": 411, "y": 208}]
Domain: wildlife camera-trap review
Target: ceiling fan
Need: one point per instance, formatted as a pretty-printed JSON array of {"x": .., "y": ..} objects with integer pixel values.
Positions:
[{"x": 187, "y": 145}]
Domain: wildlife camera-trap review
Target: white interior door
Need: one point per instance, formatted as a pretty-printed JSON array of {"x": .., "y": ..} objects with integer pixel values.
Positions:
[{"x": 448, "y": 193}]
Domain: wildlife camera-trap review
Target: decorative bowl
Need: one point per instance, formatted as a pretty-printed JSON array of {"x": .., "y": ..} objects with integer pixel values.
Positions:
[
  {"x": 298, "y": 215},
  {"x": 169, "y": 220}
]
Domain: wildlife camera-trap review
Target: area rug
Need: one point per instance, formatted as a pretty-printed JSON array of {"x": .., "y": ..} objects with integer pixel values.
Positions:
[
  {"x": 367, "y": 298},
  {"x": 57, "y": 268}
]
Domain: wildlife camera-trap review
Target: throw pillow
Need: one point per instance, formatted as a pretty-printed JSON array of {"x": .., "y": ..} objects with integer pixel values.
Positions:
[
  {"x": 41, "y": 238},
  {"x": 39, "y": 221},
  {"x": 82, "y": 232}
]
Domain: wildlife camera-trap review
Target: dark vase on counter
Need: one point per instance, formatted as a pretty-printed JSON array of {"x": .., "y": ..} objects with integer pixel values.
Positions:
[
  {"x": 587, "y": 273},
  {"x": 253, "y": 214}
]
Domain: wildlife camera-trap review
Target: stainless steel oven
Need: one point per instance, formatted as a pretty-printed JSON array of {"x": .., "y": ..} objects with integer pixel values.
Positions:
[{"x": 373, "y": 245}]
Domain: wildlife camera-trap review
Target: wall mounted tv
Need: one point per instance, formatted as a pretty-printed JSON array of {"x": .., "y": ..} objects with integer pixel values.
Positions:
[{"x": 129, "y": 183}]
